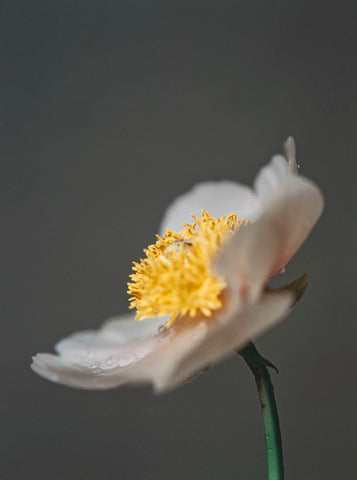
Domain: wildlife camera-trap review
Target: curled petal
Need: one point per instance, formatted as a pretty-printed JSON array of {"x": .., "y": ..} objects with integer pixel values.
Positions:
[
  {"x": 276, "y": 172},
  {"x": 269, "y": 177},
  {"x": 218, "y": 198},
  {"x": 225, "y": 197},
  {"x": 260, "y": 249}
]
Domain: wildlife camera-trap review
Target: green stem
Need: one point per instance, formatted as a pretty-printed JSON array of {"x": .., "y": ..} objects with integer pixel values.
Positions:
[{"x": 274, "y": 449}]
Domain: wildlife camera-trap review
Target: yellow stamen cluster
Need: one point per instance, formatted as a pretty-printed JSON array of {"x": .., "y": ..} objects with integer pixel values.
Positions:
[{"x": 177, "y": 275}]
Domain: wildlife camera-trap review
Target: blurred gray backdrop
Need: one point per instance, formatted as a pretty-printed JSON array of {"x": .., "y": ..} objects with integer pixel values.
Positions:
[{"x": 108, "y": 111}]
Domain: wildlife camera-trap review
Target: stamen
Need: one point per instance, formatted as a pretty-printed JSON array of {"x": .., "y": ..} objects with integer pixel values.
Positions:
[{"x": 177, "y": 276}]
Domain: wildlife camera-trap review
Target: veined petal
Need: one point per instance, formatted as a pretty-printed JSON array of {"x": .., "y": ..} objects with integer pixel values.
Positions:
[
  {"x": 259, "y": 250},
  {"x": 219, "y": 198}
]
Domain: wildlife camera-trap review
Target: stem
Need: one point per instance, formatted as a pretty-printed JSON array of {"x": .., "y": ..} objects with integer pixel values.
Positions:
[{"x": 274, "y": 449}]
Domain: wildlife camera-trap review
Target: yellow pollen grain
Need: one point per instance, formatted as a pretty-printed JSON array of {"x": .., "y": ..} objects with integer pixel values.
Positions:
[{"x": 177, "y": 277}]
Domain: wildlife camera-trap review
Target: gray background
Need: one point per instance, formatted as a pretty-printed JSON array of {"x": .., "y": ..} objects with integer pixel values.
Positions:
[{"x": 108, "y": 111}]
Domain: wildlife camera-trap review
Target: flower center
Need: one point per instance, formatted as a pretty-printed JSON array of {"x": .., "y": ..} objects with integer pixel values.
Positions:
[{"x": 177, "y": 276}]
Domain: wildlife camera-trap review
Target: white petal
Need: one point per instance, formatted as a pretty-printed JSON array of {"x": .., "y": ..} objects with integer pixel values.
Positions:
[
  {"x": 171, "y": 358},
  {"x": 242, "y": 327},
  {"x": 159, "y": 367},
  {"x": 271, "y": 176},
  {"x": 126, "y": 329},
  {"x": 193, "y": 350},
  {"x": 109, "y": 346},
  {"x": 279, "y": 169},
  {"x": 54, "y": 368},
  {"x": 218, "y": 198},
  {"x": 94, "y": 359},
  {"x": 259, "y": 250}
]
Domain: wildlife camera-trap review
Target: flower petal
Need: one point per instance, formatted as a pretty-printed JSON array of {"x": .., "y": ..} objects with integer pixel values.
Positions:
[
  {"x": 218, "y": 198},
  {"x": 56, "y": 369},
  {"x": 126, "y": 329},
  {"x": 184, "y": 355},
  {"x": 93, "y": 359},
  {"x": 276, "y": 171},
  {"x": 170, "y": 358},
  {"x": 259, "y": 250},
  {"x": 270, "y": 176}
]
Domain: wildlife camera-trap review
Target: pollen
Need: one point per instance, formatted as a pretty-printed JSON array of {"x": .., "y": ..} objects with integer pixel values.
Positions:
[{"x": 177, "y": 275}]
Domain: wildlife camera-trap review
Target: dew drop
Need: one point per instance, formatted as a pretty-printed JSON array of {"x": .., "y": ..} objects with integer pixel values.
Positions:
[
  {"x": 95, "y": 370},
  {"x": 162, "y": 328},
  {"x": 110, "y": 361}
]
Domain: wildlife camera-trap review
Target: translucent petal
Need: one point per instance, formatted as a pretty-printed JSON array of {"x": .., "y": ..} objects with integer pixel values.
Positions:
[
  {"x": 170, "y": 358},
  {"x": 259, "y": 250},
  {"x": 270, "y": 177},
  {"x": 56, "y": 369},
  {"x": 94, "y": 358},
  {"x": 195, "y": 349},
  {"x": 218, "y": 198}
]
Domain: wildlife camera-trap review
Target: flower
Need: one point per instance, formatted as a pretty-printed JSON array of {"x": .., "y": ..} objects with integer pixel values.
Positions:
[{"x": 200, "y": 292}]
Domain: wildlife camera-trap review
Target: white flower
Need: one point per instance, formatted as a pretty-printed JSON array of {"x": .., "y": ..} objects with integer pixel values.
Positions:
[{"x": 202, "y": 294}]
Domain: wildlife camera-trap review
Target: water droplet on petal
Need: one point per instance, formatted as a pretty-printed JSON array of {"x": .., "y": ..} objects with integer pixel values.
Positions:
[
  {"x": 161, "y": 328},
  {"x": 110, "y": 361},
  {"x": 96, "y": 370}
]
